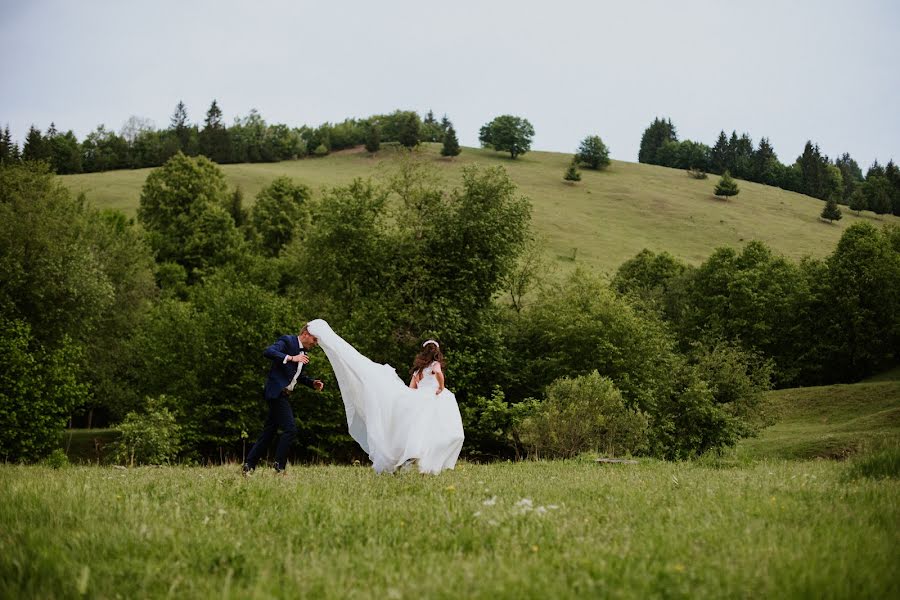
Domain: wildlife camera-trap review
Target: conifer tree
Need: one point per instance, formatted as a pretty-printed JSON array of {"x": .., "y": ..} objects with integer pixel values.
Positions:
[
  {"x": 451, "y": 144},
  {"x": 659, "y": 132},
  {"x": 832, "y": 211},
  {"x": 727, "y": 186},
  {"x": 572, "y": 173}
]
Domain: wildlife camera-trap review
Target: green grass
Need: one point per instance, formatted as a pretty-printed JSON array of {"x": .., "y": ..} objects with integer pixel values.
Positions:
[
  {"x": 603, "y": 220},
  {"x": 833, "y": 421},
  {"x": 776, "y": 529}
]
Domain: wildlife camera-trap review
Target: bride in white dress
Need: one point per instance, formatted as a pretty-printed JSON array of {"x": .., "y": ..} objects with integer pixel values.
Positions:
[{"x": 394, "y": 423}]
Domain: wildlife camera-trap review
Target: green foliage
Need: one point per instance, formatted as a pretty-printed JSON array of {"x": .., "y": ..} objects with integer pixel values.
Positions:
[
  {"x": 727, "y": 186},
  {"x": 651, "y": 278},
  {"x": 859, "y": 305},
  {"x": 658, "y": 133},
  {"x": 694, "y": 173},
  {"x": 450, "y": 145},
  {"x": 593, "y": 153},
  {"x": 39, "y": 388},
  {"x": 858, "y": 201},
  {"x": 70, "y": 271},
  {"x": 373, "y": 138},
  {"x": 151, "y": 437},
  {"x": 831, "y": 212},
  {"x": 507, "y": 133},
  {"x": 56, "y": 459},
  {"x": 279, "y": 214},
  {"x": 491, "y": 424},
  {"x": 214, "y": 342},
  {"x": 184, "y": 207},
  {"x": 583, "y": 414},
  {"x": 572, "y": 173}
]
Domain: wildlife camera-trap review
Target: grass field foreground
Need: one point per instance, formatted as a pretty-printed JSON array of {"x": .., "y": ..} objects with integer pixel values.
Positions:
[{"x": 774, "y": 529}]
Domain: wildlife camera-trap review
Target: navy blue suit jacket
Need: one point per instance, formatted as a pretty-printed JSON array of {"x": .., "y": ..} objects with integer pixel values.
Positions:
[{"x": 281, "y": 373}]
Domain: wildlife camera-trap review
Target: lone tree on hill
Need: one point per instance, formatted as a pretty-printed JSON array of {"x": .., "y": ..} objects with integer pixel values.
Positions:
[
  {"x": 593, "y": 153},
  {"x": 572, "y": 173},
  {"x": 832, "y": 211},
  {"x": 451, "y": 144},
  {"x": 858, "y": 201},
  {"x": 727, "y": 186},
  {"x": 507, "y": 134}
]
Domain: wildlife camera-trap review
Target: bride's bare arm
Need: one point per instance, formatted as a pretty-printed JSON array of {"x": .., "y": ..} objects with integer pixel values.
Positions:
[
  {"x": 414, "y": 381},
  {"x": 439, "y": 375}
]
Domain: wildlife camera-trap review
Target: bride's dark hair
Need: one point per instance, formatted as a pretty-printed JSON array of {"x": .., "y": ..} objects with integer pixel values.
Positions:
[{"x": 430, "y": 353}]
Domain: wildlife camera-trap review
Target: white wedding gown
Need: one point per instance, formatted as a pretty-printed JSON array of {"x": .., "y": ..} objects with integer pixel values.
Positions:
[{"x": 392, "y": 422}]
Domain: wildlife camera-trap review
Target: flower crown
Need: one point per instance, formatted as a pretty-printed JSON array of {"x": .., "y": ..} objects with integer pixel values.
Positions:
[{"x": 431, "y": 342}]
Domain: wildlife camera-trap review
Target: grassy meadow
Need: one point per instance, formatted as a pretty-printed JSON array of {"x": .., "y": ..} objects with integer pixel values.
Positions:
[
  {"x": 776, "y": 529},
  {"x": 601, "y": 221},
  {"x": 765, "y": 520}
]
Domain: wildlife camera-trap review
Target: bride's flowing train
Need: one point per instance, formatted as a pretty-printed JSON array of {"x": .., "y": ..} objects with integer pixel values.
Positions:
[{"x": 390, "y": 421}]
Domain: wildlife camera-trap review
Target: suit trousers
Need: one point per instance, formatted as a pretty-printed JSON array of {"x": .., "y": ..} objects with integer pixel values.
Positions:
[{"x": 280, "y": 416}]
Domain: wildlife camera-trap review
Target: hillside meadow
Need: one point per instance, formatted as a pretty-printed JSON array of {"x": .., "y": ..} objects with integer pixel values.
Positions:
[{"x": 597, "y": 223}]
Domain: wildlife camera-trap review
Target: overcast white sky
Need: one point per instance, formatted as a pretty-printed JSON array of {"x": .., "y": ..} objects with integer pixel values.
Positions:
[{"x": 821, "y": 70}]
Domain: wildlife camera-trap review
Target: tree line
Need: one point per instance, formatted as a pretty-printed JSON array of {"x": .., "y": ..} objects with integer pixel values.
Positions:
[
  {"x": 812, "y": 173},
  {"x": 163, "y": 319},
  {"x": 140, "y": 144}
]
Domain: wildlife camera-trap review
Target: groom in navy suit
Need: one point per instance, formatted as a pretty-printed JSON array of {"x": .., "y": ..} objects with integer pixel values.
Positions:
[{"x": 288, "y": 355}]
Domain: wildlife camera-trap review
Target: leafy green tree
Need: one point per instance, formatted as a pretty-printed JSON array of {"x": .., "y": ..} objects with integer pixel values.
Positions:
[
  {"x": 507, "y": 133},
  {"x": 279, "y": 214},
  {"x": 150, "y": 437},
  {"x": 39, "y": 389},
  {"x": 572, "y": 174},
  {"x": 583, "y": 414},
  {"x": 851, "y": 174},
  {"x": 693, "y": 156},
  {"x": 593, "y": 153},
  {"x": 659, "y": 132},
  {"x": 236, "y": 207},
  {"x": 217, "y": 393},
  {"x": 651, "y": 279},
  {"x": 726, "y": 186},
  {"x": 103, "y": 150},
  {"x": 831, "y": 212},
  {"x": 858, "y": 201},
  {"x": 409, "y": 130},
  {"x": 184, "y": 208},
  {"x": 373, "y": 138},
  {"x": 65, "y": 153},
  {"x": 451, "y": 143},
  {"x": 877, "y": 190},
  {"x": 859, "y": 305}
]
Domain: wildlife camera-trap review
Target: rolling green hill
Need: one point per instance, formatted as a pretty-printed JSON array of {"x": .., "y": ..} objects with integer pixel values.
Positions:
[
  {"x": 601, "y": 221},
  {"x": 832, "y": 421}
]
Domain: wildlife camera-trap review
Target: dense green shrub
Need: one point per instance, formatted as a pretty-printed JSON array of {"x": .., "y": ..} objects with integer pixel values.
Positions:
[
  {"x": 39, "y": 388},
  {"x": 583, "y": 414},
  {"x": 152, "y": 437}
]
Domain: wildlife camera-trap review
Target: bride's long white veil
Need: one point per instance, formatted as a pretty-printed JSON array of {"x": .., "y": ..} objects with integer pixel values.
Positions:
[{"x": 391, "y": 422}]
